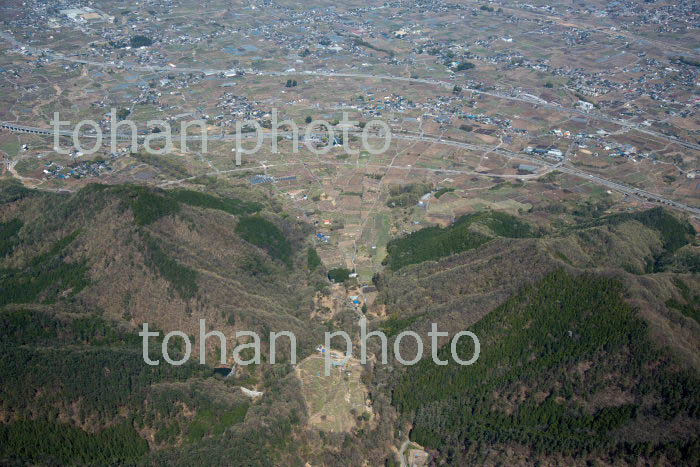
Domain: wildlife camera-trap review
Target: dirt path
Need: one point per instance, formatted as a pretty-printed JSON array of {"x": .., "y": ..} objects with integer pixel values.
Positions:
[{"x": 402, "y": 457}]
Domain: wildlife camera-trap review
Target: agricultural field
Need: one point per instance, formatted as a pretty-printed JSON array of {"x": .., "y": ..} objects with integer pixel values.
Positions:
[{"x": 334, "y": 402}]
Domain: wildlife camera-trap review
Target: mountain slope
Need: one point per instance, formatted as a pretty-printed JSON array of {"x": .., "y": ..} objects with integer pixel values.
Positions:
[
  {"x": 567, "y": 369},
  {"x": 590, "y": 349},
  {"x": 79, "y": 274}
]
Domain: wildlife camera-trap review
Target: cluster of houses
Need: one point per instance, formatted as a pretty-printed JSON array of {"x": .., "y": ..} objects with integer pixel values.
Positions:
[
  {"x": 262, "y": 179},
  {"x": 337, "y": 360},
  {"x": 547, "y": 153},
  {"x": 77, "y": 170},
  {"x": 597, "y": 142},
  {"x": 236, "y": 107}
]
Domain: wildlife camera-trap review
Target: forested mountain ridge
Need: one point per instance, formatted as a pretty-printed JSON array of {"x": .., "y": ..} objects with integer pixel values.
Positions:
[
  {"x": 127, "y": 250},
  {"x": 80, "y": 272},
  {"x": 590, "y": 345}
]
